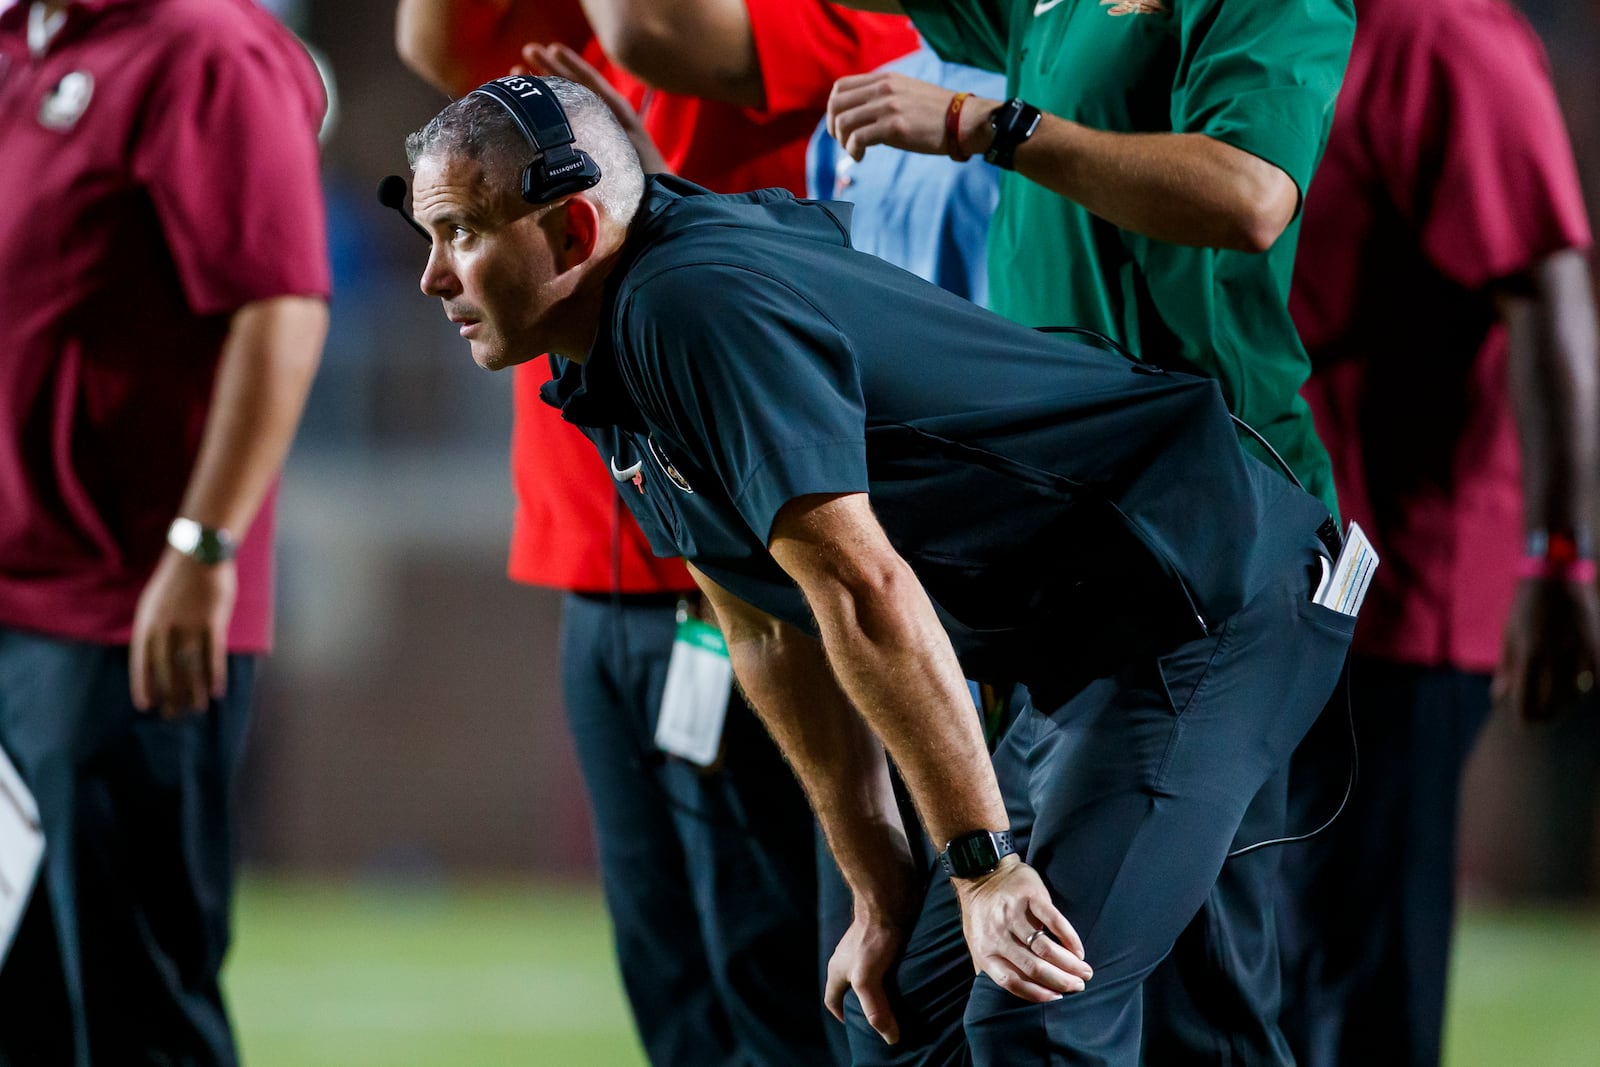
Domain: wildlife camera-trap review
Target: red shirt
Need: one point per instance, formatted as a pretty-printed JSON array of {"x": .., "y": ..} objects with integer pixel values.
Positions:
[
  {"x": 569, "y": 519},
  {"x": 1449, "y": 167},
  {"x": 160, "y": 172}
]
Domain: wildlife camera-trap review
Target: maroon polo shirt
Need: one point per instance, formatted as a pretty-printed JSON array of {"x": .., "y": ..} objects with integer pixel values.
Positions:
[
  {"x": 1449, "y": 167},
  {"x": 160, "y": 172}
]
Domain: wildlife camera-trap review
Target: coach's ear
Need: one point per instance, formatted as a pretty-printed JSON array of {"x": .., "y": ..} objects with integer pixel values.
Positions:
[{"x": 577, "y": 224}]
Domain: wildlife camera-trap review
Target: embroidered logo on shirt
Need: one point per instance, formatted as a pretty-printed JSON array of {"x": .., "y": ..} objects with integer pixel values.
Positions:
[
  {"x": 666, "y": 466},
  {"x": 65, "y": 104},
  {"x": 1133, "y": 7}
]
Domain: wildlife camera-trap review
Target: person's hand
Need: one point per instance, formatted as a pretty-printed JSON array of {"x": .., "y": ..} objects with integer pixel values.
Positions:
[
  {"x": 1017, "y": 937},
  {"x": 882, "y": 107},
  {"x": 562, "y": 62},
  {"x": 1551, "y": 651},
  {"x": 178, "y": 655},
  {"x": 865, "y": 954}
]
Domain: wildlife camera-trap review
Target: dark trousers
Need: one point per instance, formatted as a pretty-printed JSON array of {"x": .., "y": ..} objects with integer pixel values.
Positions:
[
  {"x": 709, "y": 876},
  {"x": 1369, "y": 904},
  {"x": 117, "y": 957},
  {"x": 1127, "y": 799}
]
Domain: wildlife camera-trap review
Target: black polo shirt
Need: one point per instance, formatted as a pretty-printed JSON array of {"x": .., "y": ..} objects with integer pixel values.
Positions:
[{"x": 1052, "y": 497}]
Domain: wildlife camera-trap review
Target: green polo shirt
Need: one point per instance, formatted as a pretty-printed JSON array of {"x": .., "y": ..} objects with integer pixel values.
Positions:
[{"x": 1259, "y": 75}]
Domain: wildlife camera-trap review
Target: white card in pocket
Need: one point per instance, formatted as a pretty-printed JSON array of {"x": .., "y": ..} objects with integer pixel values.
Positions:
[
  {"x": 1344, "y": 587},
  {"x": 695, "y": 701}
]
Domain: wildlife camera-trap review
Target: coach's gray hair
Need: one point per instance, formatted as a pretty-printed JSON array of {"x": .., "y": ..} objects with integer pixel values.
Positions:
[{"x": 478, "y": 128}]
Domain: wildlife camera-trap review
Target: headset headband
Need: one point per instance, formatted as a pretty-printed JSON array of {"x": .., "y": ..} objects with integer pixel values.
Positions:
[{"x": 557, "y": 168}]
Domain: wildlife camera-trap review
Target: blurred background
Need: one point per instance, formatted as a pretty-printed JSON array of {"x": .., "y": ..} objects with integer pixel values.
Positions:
[{"x": 419, "y": 875}]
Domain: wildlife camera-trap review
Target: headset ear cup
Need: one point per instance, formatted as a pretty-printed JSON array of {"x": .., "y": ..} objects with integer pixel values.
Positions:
[{"x": 539, "y": 188}]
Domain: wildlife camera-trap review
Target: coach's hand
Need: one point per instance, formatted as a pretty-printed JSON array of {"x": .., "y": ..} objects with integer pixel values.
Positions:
[
  {"x": 1016, "y": 935},
  {"x": 865, "y": 954}
]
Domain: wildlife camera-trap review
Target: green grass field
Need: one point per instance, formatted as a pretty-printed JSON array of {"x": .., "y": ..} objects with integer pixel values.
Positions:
[{"x": 493, "y": 976}]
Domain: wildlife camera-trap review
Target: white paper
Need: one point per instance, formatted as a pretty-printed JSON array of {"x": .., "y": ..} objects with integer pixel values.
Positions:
[
  {"x": 695, "y": 701},
  {"x": 21, "y": 849},
  {"x": 1346, "y": 587}
]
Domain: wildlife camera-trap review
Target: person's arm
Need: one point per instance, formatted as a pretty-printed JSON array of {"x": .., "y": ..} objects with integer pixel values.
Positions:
[
  {"x": 1182, "y": 188},
  {"x": 894, "y": 663},
  {"x": 786, "y": 679},
  {"x": 1552, "y": 641},
  {"x": 563, "y": 62},
  {"x": 457, "y": 45},
  {"x": 178, "y": 651},
  {"x": 701, "y": 48}
]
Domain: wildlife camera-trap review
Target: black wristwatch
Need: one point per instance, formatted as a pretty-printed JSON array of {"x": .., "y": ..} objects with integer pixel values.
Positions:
[
  {"x": 976, "y": 853},
  {"x": 1014, "y": 122}
]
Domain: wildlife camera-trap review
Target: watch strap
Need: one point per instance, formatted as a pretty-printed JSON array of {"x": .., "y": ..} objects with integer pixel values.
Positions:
[{"x": 976, "y": 853}]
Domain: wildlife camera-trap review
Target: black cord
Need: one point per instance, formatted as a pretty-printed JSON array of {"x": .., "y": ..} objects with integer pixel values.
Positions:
[
  {"x": 1349, "y": 785},
  {"x": 1100, "y": 340}
]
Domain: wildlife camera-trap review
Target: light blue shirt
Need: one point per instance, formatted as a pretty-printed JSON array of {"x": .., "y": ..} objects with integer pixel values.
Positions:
[{"x": 927, "y": 214}]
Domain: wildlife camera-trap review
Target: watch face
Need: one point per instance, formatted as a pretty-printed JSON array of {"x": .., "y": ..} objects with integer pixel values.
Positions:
[
  {"x": 184, "y": 536},
  {"x": 975, "y": 854}
]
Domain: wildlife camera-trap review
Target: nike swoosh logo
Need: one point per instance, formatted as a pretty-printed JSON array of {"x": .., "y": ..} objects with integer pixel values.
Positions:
[
  {"x": 627, "y": 475},
  {"x": 1044, "y": 5}
]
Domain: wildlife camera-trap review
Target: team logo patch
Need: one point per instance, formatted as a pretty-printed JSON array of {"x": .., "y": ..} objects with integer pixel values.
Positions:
[
  {"x": 1133, "y": 7},
  {"x": 666, "y": 466},
  {"x": 64, "y": 105}
]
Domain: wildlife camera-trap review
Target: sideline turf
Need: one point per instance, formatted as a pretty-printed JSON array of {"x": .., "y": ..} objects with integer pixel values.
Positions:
[
  {"x": 404, "y": 976},
  {"x": 329, "y": 975}
]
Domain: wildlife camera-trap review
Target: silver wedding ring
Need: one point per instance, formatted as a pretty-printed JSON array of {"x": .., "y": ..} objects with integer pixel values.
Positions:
[{"x": 1028, "y": 941}]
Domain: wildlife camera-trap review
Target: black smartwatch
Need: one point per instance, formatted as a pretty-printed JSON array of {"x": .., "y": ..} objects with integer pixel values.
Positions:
[
  {"x": 976, "y": 853},
  {"x": 1014, "y": 122}
]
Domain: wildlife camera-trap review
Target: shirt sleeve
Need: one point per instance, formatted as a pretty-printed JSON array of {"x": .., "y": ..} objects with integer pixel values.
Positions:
[
  {"x": 1480, "y": 164},
  {"x": 806, "y": 45},
  {"x": 1263, "y": 77},
  {"x": 976, "y": 33},
  {"x": 754, "y": 380},
  {"x": 231, "y": 165}
]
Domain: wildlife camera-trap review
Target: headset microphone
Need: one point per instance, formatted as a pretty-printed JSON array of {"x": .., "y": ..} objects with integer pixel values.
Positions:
[{"x": 392, "y": 193}]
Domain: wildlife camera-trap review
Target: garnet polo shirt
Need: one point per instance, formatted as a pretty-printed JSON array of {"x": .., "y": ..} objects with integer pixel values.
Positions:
[
  {"x": 1449, "y": 168},
  {"x": 1058, "y": 502},
  {"x": 567, "y": 516},
  {"x": 160, "y": 172},
  {"x": 1257, "y": 75}
]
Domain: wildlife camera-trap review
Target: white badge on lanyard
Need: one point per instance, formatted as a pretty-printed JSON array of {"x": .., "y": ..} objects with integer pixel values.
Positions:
[{"x": 695, "y": 700}]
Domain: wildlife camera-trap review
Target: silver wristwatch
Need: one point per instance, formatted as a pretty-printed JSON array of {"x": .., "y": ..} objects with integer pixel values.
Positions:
[{"x": 204, "y": 544}]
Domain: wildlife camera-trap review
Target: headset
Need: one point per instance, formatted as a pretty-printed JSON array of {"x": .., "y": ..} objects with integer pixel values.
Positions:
[{"x": 557, "y": 167}]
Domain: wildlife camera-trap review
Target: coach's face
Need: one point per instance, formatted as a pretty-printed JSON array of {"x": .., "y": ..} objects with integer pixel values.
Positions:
[{"x": 494, "y": 262}]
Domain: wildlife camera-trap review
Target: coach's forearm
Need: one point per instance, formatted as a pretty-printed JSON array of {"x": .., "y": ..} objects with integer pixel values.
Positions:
[
  {"x": 841, "y": 766},
  {"x": 895, "y": 663}
]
